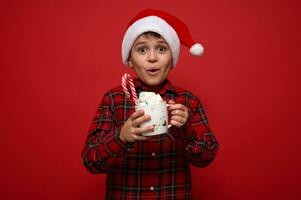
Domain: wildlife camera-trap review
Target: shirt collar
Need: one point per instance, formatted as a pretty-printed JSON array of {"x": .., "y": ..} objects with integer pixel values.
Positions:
[{"x": 165, "y": 87}]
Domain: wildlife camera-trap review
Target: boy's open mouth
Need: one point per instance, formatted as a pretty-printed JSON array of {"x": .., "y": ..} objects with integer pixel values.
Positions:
[{"x": 153, "y": 71}]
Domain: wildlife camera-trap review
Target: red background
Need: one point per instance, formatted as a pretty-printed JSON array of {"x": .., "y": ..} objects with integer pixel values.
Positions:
[{"x": 59, "y": 57}]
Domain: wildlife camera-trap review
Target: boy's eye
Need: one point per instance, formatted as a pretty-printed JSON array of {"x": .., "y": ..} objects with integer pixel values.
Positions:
[
  {"x": 162, "y": 49},
  {"x": 142, "y": 50}
]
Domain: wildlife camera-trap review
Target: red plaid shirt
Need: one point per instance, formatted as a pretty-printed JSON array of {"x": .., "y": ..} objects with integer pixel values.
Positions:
[{"x": 154, "y": 169}]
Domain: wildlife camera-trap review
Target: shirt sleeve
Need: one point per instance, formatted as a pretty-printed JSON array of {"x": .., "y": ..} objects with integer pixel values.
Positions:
[
  {"x": 197, "y": 140},
  {"x": 103, "y": 148}
]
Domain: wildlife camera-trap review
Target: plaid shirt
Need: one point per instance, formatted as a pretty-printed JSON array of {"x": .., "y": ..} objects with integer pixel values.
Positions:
[{"x": 154, "y": 169}]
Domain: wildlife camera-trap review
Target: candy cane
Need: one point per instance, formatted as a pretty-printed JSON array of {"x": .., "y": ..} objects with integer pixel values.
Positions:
[{"x": 126, "y": 78}]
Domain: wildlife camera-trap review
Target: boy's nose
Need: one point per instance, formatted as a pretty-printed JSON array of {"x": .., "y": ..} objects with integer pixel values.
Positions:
[{"x": 152, "y": 56}]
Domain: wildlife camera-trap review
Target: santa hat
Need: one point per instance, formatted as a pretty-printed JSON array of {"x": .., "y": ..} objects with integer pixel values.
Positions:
[{"x": 172, "y": 29}]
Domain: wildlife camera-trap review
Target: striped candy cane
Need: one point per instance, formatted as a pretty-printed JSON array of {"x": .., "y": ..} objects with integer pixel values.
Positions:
[{"x": 126, "y": 78}]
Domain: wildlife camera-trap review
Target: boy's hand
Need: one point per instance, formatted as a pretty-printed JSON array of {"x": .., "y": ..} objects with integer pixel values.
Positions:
[
  {"x": 179, "y": 114},
  {"x": 130, "y": 132}
]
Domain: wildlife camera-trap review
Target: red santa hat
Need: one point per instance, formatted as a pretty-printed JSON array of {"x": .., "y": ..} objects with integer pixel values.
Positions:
[{"x": 172, "y": 29}]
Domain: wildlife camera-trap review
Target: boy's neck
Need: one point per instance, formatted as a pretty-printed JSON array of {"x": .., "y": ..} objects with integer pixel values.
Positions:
[
  {"x": 155, "y": 88},
  {"x": 152, "y": 88}
]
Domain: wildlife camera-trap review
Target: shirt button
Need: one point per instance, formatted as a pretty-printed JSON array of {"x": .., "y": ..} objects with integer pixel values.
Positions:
[
  {"x": 153, "y": 154},
  {"x": 152, "y": 188}
]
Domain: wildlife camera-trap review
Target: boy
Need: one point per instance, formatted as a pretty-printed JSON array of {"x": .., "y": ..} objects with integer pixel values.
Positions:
[{"x": 156, "y": 167}]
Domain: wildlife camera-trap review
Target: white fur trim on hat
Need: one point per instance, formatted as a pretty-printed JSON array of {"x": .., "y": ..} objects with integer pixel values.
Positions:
[
  {"x": 154, "y": 24},
  {"x": 196, "y": 49}
]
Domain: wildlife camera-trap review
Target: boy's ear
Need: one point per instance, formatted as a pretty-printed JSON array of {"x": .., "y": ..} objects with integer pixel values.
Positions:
[
  {"x": 171, "y": 67},
  {"x": 130, "y": 64}
]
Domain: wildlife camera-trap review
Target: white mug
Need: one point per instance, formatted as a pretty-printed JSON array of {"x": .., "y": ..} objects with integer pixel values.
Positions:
[{"x": 159, "y": 118}]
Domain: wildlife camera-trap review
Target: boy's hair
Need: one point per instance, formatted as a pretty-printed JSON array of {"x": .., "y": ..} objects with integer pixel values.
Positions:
[{"x": 152, "y": 34}]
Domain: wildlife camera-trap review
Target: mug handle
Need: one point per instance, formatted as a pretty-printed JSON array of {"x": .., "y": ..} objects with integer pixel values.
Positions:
[{"x": 169, "y": 125}]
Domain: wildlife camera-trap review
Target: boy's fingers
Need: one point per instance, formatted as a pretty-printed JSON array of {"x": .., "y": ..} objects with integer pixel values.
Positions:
[
  {"x": 136, "y": 114},
  {"x": 139, "y": 120},
  {"x": 178, "y": 112},
  {"x": 177, "y": 107},
  {"x": 139, "y": 131},
  {"x": 178, "y": 119},
  {"x": 171, "y": 102},
  {"x": 175, "y": 123},
  {"x": 138, "y": 137}
]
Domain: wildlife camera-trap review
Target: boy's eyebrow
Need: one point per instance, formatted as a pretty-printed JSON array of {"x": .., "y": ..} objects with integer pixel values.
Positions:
[
  {"x": 143, "y": 42},
  {"x": 139, "y": 43},
  {"x": 162, "y": 41}
]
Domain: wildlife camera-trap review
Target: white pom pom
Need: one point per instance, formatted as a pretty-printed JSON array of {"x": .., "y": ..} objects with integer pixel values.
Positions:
[{"x": 196, "y": 49}]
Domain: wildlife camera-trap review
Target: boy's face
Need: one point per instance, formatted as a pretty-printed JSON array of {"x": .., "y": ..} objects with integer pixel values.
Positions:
[{"x": 151, "y": 59}]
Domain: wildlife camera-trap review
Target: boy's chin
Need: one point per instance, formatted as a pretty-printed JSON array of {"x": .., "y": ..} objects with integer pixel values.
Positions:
[{"x": 153, "y": 82}]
